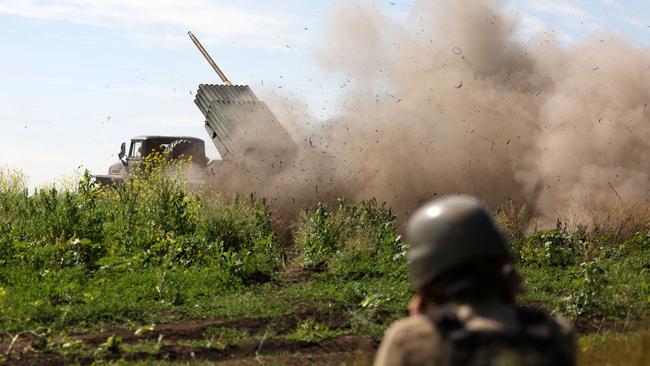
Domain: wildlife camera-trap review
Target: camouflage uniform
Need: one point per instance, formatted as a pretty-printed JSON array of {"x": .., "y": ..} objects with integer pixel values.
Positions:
[
  {"x": 459, "y": 260},
  {"x": 417, "y": 341}
]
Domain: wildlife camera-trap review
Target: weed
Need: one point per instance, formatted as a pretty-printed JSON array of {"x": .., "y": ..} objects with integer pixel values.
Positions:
[
  {"x": 313, "y": 332},
  {"x": 217, "y": 338},
  {"x": 354, "y": 241},
  {"x": 588, "y": 293},
  {"x": 514, "y": 219},
  {"x": 111, "y": 348},
  {"x": 555, "y": 248},
  {"x": 149, "y": 347},
  {"x": 225, "y": 336},
  {"x": 145, "y": 329}
]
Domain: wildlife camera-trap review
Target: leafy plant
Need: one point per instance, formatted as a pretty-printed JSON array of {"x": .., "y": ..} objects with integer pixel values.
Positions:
[
  {"x": 111, "y": 347},
  {"x": 588, "y": 292},
  {"x": 222, "y": 337},
  {"x": 556, "y": 248},
  {"x": 312, "y": 332},
  {"x": 354, "y": 241}
]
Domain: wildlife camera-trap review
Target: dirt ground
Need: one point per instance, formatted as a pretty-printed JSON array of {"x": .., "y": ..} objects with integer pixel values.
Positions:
[
  {"x": 176, "y": 337},
  {"x": 261, "y": 346},
  {"x": 264, "y": 343}
]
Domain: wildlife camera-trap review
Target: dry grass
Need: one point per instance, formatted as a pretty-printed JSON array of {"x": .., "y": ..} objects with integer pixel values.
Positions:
[
  {"x": 614, "y": 219},
  {"x": 615, "y": 349},
  {"x": 514, "y": 219}
]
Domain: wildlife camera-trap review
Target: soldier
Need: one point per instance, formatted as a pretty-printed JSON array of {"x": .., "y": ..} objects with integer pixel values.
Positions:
[{"x": 464, "y": 311}]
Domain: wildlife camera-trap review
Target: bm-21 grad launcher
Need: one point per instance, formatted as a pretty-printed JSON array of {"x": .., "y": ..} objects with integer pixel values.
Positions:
[
  {"x": 238, "y": 123},
  {"x": 243, "y": 128}
]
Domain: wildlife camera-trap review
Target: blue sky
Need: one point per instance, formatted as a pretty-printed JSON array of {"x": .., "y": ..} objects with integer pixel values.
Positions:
[{"x": 78, "y": 77}]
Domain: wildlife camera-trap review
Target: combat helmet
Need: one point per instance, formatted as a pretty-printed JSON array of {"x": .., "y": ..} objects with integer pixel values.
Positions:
[{"x": 448, "y": 232}]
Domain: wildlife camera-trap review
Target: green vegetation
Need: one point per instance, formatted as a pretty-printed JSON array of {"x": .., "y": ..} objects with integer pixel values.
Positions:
[
  {"x": 311, "y": 331},
  {"x": 586, "y": 276},
  {"x": 125, "y": 262},
  {"x": 352, "y": 241}
]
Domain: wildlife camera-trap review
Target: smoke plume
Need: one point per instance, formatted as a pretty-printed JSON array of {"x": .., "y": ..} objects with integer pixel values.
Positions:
[{"x": 454, "y": 100}]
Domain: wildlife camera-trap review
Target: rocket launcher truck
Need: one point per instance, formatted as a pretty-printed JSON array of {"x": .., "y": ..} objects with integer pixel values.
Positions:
[{"x": 239, "y": 124}]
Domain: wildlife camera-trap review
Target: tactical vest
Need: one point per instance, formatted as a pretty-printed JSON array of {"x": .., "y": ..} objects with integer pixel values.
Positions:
[{"x": 538, "y": 341}]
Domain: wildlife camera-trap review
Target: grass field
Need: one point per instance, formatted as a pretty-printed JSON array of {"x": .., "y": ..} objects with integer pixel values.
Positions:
[{"x": 147, "y": 273}]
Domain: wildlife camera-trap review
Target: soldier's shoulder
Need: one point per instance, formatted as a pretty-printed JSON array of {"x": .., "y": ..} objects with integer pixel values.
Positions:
[
  {"x": 410, "y": 341},
  {"x": 565, "y": 325},
  {"x": 561, "y": 329},
  {"x": 543, "y": 318},
  {"x": 413, "y": 327}
]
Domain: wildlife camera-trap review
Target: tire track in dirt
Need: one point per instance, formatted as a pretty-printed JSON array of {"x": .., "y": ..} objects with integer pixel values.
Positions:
[
  {"x": 174, "y": 334},
  {"x": 331, "y": 351}
]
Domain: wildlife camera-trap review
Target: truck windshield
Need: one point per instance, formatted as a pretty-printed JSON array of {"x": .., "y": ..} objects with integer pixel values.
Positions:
[{"x": 136, "y": 150}]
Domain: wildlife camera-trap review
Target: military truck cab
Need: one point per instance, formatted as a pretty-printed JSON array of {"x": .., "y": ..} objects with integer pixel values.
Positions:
[{"x": 140, "y": 147}]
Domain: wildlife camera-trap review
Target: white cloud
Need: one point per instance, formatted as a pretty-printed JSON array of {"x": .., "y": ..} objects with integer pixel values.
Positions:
[
  {"x": 161, "y": 20},
  {"x": 139, "y": 90},
  {"x": 559, "y": 7},
  {"x": 637, "y": 22}
]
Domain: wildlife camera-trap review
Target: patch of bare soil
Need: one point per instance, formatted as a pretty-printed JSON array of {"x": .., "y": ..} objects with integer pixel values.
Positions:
[
  {"x": 335, "y": 351},
  {"x": 599, "y": 325},
  {"x": 175, "y": 338}
]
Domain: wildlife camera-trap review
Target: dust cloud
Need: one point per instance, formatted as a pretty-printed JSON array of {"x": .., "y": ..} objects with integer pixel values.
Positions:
[{"x": 453, "y": 99}]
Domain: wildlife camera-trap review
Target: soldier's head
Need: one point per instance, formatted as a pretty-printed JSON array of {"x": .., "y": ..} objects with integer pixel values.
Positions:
[{"x": 456, "y": 251}]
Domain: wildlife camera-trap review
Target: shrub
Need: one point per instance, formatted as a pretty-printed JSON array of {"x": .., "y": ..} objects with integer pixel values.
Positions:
[
  {"x": 355, "y": 240},
  {"x": 150, "y": 219},
  {"x": 243, "y": 232},
  {"x": 588, "y": 294},
  {"x": 150, "y": 204},
  {"x": 513, "y": 219},
  {"x": 555, "y": 248}
]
